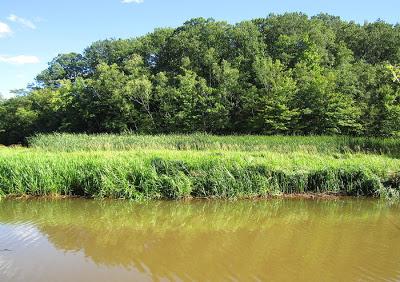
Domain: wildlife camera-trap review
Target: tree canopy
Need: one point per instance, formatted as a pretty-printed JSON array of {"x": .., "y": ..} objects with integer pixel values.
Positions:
[{"x": 283, "y": 74}]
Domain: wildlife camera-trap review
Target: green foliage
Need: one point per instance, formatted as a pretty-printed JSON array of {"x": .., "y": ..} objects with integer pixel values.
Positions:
[
  {"x": 396, "y": 72},
  {"x": 17, "y": 120},
  {"x": 64, "y": 66},
  {"x": 284, "y": 74},
  {"x": 271, "y": 106},
  {"x": 320, "y": 103}
]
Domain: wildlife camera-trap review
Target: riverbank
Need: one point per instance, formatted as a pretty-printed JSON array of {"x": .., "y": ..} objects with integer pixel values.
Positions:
[
  {"x": 167, "y": 173},
  {"x": 300, "y": 196}
]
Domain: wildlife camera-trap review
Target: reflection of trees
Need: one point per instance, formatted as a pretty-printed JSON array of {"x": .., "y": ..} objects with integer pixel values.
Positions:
[{"x": 204, "y": 240}]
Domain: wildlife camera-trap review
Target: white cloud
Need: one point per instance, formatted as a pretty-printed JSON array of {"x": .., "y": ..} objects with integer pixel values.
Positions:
[
  {"x": 132, "y": 1},
  {"x": 19, "y": 60},
  {"x": 5, "y": 30},
  {"x": 22, "y": 21}
]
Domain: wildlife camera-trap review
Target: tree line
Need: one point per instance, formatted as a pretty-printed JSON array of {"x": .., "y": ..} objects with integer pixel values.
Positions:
[{"x": 284, "y": 74}]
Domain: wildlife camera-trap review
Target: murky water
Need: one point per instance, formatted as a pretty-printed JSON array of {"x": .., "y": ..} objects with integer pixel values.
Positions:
[{"x": 277, "y": 240}]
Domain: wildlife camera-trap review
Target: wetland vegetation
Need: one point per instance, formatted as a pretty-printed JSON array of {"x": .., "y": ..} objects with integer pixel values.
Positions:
[{"x": 199, "y": 166}]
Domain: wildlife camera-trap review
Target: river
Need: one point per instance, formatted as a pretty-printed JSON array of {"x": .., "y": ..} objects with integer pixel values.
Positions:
[{"x": 265, "y": 240}]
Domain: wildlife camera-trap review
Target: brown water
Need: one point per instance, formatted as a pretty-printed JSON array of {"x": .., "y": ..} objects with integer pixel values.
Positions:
[{"x": 277, "y": 240}]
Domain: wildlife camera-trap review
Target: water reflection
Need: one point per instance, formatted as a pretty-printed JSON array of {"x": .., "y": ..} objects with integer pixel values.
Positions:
[{"x": 201, "y": 240}]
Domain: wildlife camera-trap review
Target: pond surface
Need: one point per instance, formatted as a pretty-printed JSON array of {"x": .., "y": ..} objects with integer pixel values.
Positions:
[{"x": 278, "y": 240}]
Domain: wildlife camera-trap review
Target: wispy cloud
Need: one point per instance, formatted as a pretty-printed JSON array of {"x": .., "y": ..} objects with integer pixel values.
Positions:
[
  {"x": 132, "y": 1},
  {"x": 5, "y": 30},
  {"x": 19, "y": 60},
  {"x": 38, "y": 19},
  {"x": 25, "y": 22}
]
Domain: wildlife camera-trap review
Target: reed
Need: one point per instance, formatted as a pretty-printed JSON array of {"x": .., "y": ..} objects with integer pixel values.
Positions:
[
  {"x": 145, "y": 173},
  {"x": 199, "y": 142}
]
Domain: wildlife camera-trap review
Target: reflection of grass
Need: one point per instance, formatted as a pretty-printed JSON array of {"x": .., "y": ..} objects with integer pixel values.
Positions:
[
  {"x": 205, "y": 238},
  {"x": 188, "y": 215},
  {"x": 155, "y": 174}
]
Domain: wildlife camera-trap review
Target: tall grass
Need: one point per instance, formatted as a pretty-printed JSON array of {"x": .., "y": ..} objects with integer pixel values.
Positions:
[
  {"x": 284, "y": 144},
  {"x": 173, "y": 174}
]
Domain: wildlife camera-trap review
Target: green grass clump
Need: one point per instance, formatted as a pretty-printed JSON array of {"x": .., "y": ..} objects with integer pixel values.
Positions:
[{"x": 173, "y": 174}]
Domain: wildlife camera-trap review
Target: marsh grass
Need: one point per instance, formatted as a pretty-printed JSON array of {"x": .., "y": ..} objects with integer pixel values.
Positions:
[
  {"x": 145, "y": 174},
  {"x": 200, "y": 142}
]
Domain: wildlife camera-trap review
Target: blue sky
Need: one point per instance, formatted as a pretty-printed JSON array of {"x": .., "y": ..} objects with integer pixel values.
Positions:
[{"x": 32, "y": 32}]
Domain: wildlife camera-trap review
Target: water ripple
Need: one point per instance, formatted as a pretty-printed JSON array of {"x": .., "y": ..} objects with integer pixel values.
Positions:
[{"x": 271, "y": 240}]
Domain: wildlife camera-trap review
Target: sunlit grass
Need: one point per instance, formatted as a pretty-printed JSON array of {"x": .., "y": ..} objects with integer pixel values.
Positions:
[
  {"x": 284, "y": 144},
  {"x": 144, "y": 167}
]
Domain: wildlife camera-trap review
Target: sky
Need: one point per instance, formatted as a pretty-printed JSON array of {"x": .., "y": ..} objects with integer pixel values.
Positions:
[{"x": 32, "y": 32}]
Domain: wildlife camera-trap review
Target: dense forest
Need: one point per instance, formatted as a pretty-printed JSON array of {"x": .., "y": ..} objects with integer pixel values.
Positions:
[{"x": 284, "y": 74}]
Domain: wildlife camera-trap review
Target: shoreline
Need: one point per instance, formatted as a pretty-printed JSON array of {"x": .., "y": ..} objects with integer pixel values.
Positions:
[{"x": 294, "y": 196}]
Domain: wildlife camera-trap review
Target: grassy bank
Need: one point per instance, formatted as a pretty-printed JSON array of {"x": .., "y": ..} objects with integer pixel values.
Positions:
[{"x": 144, "y": 167}]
